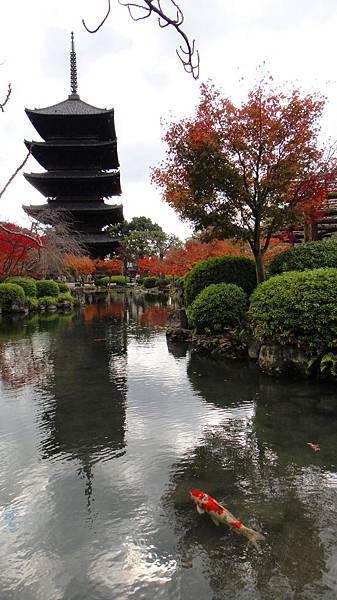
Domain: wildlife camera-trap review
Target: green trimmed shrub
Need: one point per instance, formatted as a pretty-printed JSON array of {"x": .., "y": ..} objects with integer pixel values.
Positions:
[
  {"x": 218, "y": 307},
  {"x": 27, "y": 283},
  {"x": 220, "y": 269},
  {"x": 32, "y": 303},
  {"x": 312, "y": 255},
  {"x": 298, "y": 309},
  {"x": 118, "y": 279},
  {"x": 150, "y": 282},
  {"x": 161, "y": 283},
  {"x": 98, "y": 281},
  {"x": 47, "y": 287},
  {"x": 65, "y": 296},
  {"x": 45, "y": 301},
  {"x": 9, "y": 292},
  {"x": 63, "y": 286}
]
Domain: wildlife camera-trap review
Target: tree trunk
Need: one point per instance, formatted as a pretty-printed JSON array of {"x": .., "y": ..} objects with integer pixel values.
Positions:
[{"x": 259, "y": 265}]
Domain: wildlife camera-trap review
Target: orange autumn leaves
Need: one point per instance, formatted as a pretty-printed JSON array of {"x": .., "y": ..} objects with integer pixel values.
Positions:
[
  {"x": 84, "y": 265},
  {"x": 247, "y": 171},
  {"x": 179, "y": 261}
]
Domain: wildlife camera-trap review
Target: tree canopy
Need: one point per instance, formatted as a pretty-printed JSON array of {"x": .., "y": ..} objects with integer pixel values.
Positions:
[
  {"x": 245, "y": 171},
  {"x": 141, "y": 237}
]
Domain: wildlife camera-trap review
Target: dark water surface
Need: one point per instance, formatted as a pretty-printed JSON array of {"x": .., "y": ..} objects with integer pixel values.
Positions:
[{"x": 104, "y": 429}]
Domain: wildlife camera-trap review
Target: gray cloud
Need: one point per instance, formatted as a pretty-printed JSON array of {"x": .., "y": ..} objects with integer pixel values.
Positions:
[{"x": 136, "y": 159}]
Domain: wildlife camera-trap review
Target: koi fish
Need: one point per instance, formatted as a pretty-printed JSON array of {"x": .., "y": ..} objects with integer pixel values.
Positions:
[
  {"x": 220, "y": 515},
  {"x": 315, "y": 447}
]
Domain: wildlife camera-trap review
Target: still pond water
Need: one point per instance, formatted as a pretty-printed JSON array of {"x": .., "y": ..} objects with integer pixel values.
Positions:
[{"x": 104, "y": 429}]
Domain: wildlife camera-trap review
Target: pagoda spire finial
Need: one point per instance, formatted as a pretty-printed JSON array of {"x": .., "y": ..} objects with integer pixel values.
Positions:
[{"x": 73, "y": 68}]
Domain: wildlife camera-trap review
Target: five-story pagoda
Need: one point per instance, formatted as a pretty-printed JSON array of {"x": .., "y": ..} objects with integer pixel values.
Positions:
[{"x": 79, "y": 153}]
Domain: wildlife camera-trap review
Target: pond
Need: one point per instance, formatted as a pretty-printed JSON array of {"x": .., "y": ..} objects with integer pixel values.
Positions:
[{"x": 104, "y": 430}]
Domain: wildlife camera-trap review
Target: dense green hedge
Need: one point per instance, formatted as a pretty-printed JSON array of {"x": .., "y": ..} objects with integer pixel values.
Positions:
[
  {"x": 150, "y": 282},
  {"x": 118, "y": 279},
  {"x": 9, "y": 292},
  {"x": 47, "y": 287},
  {"x": 45, "y": 301},
  {"x": 65, "y": 296},
  {"x": 312, "y": 255},
  {"x": 218, "y": 307},
  {"x": 32, "y": 302},
  {"x": 27, "y": 283},
  {"x": 161, "y": 283},
  {"x": 297, "y": 308},
  {"x": 63, "y": 286},
  {"x": 220, "y": 269}
]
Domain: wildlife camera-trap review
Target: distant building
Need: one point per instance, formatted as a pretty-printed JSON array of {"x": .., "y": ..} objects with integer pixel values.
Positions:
[{"x": 79, "y": 153}]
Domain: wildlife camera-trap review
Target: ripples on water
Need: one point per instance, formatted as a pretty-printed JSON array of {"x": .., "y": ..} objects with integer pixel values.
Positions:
[{"x": 104, "y": 430}]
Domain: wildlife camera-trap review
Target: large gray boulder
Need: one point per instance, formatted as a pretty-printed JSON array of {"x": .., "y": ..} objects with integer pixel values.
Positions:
[{"x": 281, "y": 360}]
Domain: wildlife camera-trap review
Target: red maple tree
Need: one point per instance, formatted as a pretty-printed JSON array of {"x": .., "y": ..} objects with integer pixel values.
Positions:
[
  {"x": 19, "y": 250},
  {"x": 242, "y": 171}
]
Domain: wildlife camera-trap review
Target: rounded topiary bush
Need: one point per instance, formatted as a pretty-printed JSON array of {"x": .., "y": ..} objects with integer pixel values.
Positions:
[
  {"x": 47, "y": 287},
  {"x": 65, "y": 297},
  {"x": 63, "y": 287},
  {"x": 298, "y": 309},
  {"x": 120, "y": 280},
  {"x": 27, "y": 283},
  {"x": 150, "y": 282},
  {"x": 9, "y": 293},
  {"x": 218, "y": 307},
  {"x": 46, "y": 301},
  {"x": 161, "y": 283},
  {"x": 32, "y": 302},
  {"x": 311, "y": 255},
  {"x": 220, "y": 269}
]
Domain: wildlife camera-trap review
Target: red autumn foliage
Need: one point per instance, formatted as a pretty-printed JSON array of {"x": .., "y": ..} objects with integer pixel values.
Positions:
[
  {"x": 109, "y": 267},
  {"x": 242, "y": 171},
  {"x": 19, "y": 250},
  {"x": 179, "y": 261},
  {"x": 79, "y": 265}
]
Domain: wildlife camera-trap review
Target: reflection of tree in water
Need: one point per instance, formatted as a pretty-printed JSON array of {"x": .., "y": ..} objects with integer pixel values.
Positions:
[
  {"x": 146, "y": 313},
  {"x": 25, "y": 362},
  {"x": 25, "y": 348},
  {"x": 252, "y": 462}
]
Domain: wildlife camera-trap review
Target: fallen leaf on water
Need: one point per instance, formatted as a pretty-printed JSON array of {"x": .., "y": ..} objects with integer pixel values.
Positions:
[{"x": 315, "y": 447}]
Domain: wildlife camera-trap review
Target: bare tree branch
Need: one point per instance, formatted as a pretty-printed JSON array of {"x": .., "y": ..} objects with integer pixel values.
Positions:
[
  {"x": 101, "y": 23},
  {"x": 59, "y": 239},
  {"x": 9, "y": 91},
  {"x": 15, "y": 173},
  {"x": 187, "y": 53}
]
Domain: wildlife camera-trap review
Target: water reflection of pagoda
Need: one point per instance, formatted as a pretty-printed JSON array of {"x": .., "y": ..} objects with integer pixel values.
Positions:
[
  {"x": 86, "y": 420},
  {"x": 79, "y": 153}
]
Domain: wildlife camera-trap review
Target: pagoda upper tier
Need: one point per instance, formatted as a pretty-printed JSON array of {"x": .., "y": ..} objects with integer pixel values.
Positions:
[
  {"x": 79, "y": 154},
  {"x": 80, "y": 158},
  {"x": 73, "y": 118}
]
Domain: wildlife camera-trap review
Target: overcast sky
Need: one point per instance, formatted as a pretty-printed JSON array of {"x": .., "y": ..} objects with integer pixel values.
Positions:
[{"x": 133, "y": 67}]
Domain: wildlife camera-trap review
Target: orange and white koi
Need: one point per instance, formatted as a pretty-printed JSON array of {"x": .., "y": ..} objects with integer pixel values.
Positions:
[
  {"x": 220, "y": 515},
  {"x": 315, "y": 447}
]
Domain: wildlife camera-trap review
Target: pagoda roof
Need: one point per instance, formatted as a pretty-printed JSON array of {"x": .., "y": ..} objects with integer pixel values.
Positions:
[
  {"x": 75, "y": 153},
  {"x": 76, "y": 183},
  {"x": 65, "y": 125},
  {"x": 98, "y": 238},
  {"x": 99, "y": 244},
  {"x": 114, "y": 211},
  {"x": 73, "y": 105}
]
